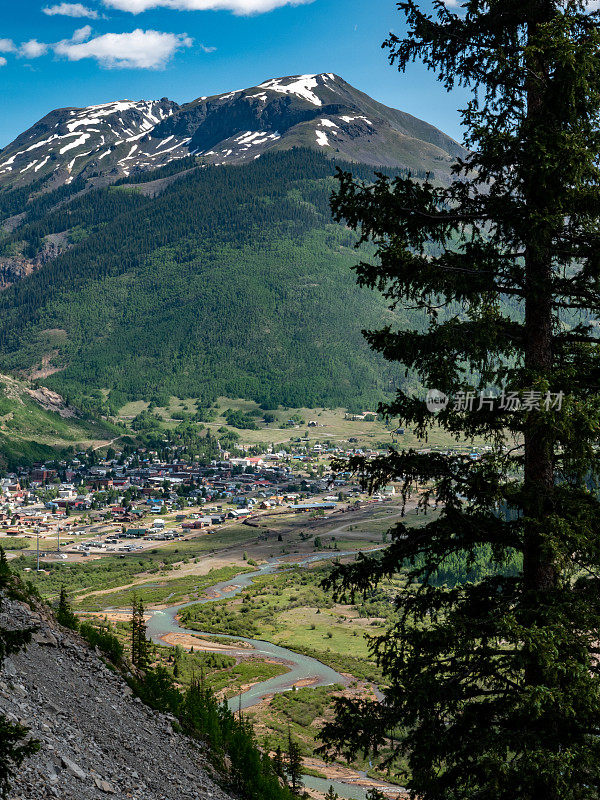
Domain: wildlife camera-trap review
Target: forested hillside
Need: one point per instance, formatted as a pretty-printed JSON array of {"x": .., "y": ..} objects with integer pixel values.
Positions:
[
  {"x": 36, "y": 424},
  {"x": 231, "y": 281}
]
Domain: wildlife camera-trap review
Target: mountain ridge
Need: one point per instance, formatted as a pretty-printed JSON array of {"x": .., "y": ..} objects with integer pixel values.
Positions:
[{"x": 110, "y": 141}]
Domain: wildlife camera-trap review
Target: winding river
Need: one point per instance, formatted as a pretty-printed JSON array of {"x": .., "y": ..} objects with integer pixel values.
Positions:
[{"x": 303, "y": 670}]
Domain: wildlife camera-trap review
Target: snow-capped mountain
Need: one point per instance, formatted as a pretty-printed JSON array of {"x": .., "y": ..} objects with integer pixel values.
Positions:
[
  {"x": 106, "y": 142},
  {"x": 69, "y": 141}
]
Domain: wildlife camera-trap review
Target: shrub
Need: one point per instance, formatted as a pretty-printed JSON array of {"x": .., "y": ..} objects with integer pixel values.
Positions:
[{"x": 104, "y": 640}]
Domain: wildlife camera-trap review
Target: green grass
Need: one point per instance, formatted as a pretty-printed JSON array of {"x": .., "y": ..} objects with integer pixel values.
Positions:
[
  {"x": 332, "y": 426},
  {"x": 29, "y": 432},
  {"x": 218, "y": 618},
  {"x": 16, "y": 544},
  {"x": 222, "y": 672},
  {"x": 298, "y": 710},
  {"x": 171, "y": 591},
  {"x": 302, "y": 713}
]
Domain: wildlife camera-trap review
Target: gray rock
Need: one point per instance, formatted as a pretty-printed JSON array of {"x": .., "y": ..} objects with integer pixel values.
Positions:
[
  {"x": 45, "y": 637},
  {"x": 104, "y": 786},
  {"x": 9, "y": 668},
  {"x": 96, "y": 741},
  {"x": 74, "y": 768}
]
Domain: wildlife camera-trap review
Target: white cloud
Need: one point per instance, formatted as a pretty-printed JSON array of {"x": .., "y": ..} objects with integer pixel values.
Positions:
[
  {"x": 82, "y": 34},
  {"x": 70, "y": 10},
  {"x": 7, "y": 46},
  {"x": 33, "y": 49},
  {"x": 138, "y": 49},
  {"x": 3, "y": 61},
  {"x": 240, "y": 7}
]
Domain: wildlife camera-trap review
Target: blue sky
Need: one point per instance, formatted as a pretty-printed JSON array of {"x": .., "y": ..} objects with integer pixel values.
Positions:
[{"x": 55, "y": 54}]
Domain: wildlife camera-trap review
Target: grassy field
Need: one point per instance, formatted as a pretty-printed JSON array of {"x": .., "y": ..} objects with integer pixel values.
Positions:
[
  {"x": 13, "y": 543},
  {"x": 332, "y": 425},
  {"x": 302, "y": 713},
  {"x": 224, "y": 674},
  {"x": 33, "y": 422},
  {"x": 167, "y": 591}
]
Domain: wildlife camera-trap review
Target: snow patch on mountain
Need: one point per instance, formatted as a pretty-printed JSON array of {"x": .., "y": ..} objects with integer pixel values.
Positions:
[
  {"x": 77, "y": 143},
  {"x": 352, "y": 119},
  {"x": 300, "y": 85}
]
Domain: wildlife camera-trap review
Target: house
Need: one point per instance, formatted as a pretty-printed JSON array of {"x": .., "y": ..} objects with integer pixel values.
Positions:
[
  {"x": 42, "y": 475},
  {"x": 101, "y": 483},
  {"x": 242, "y": 513},
  {"x": 136, "y": 533},
  {"x": 198, "y": 523}
]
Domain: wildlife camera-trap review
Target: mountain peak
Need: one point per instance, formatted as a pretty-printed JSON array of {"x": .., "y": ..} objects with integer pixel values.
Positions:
[{"x": 300, "y": 85}]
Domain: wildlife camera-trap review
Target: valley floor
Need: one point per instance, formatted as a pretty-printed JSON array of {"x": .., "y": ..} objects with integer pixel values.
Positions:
[{"x": 287, "y": 607}]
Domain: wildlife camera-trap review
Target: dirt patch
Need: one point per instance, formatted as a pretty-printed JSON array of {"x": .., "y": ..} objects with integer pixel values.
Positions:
[
  {"x": 45, "y": 368},
  {"x": 337, "y": 772},
  {"x": 57, "y": 333},
  {"x": 154, "y": 188},
  {"x": 214, "y": 594},
  {"x": 115, "y": 616},
  {"x": 188, "y": 640}
]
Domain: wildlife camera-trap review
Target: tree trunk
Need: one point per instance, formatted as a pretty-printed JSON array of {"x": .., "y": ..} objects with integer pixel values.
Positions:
[{"x": 540, "y": 574}]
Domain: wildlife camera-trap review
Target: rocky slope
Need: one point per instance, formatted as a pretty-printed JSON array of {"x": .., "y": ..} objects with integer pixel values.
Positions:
[
  {"x": 96, "y": 740},
  {"x": 323, "y": 112}
]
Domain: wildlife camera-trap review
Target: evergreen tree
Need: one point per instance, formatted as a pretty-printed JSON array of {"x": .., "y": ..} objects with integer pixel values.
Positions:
[
  {"x": 278, "y": 762},
  {"x": 294, "y": 765},
  {"x": 64, "y": 613},
  {"x": 331, "y": 794},
  {"x": 140, "y": 646},
  {"x": 5, "y": 572},
  {"x": 15, "y": 744},
  {"x": 134, "y": 632},
  {"x": 144, "y": 643},
  {"x": 493, "y": 685}
]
